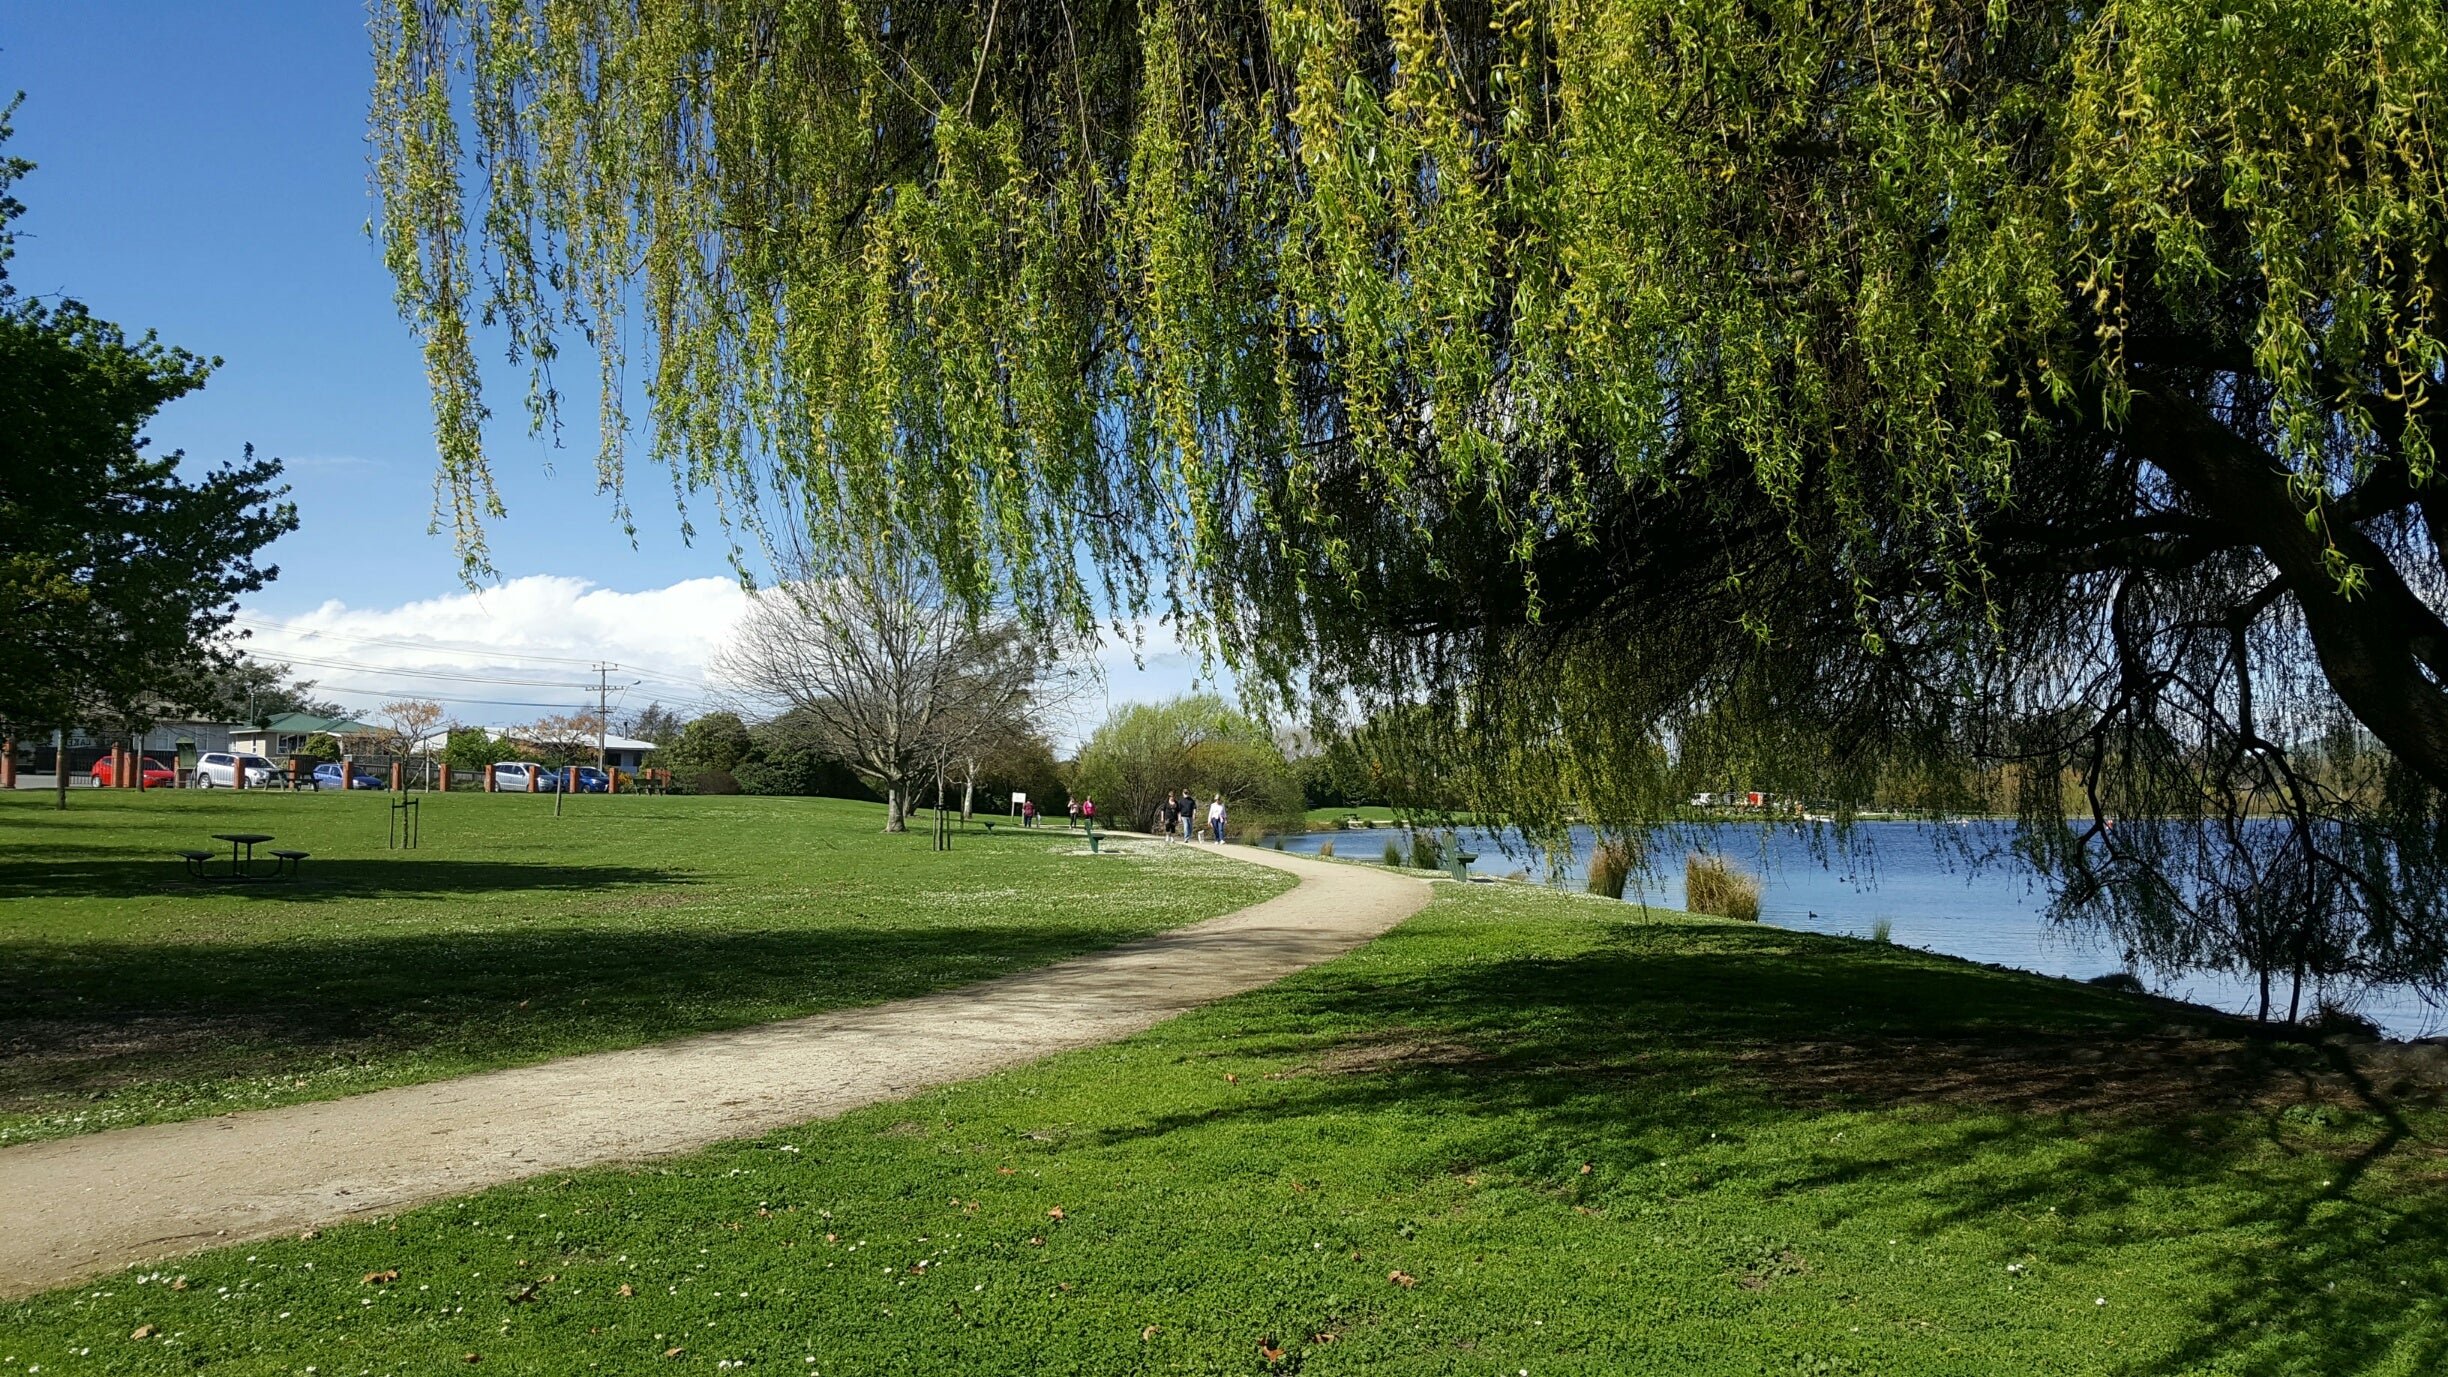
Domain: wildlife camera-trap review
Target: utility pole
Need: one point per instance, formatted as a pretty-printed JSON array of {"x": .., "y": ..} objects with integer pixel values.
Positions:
[{"x": 603, "y": 713}]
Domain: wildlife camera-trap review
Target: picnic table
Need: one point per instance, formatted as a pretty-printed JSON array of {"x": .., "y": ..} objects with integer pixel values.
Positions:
[{"x": 284, "y": 862}]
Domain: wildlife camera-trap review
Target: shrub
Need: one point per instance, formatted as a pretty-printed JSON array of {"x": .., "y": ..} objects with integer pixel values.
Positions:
[
  {"x": 704, "y": 782},
  {"x": 1610, "y": 865},
  {"x": 1326, "y": 848},
  {"x": 1882, "y": 930},
  {"x": 2123, "y": 982},
  {"x": 1427, "y": 853},
  {"x": 2336, "y": 1019},
  {"x": 1393, "y": 853},
  {"x": 1712, "y": 886}
]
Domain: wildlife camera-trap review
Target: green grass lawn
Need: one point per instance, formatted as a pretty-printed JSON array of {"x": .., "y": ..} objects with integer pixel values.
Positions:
[
  {"x": 1526, "y": 1132},
  {"x": 129, "y": 993}
]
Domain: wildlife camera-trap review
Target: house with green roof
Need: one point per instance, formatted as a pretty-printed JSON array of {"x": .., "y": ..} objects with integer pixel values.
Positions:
[{"x": 285, "y": 733}]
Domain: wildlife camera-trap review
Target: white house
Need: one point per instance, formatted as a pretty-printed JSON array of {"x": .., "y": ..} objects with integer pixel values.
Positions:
[{"x": 624, "y": 753}]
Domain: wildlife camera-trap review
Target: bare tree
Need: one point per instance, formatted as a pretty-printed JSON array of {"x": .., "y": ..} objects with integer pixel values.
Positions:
[
  {"x": 410, "y": 721},
  {"x": 898, "y": 680}
]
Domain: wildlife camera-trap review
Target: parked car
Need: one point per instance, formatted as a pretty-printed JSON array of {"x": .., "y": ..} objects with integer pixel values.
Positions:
[
  {"x": 511, "y": 776},
  {"x": 589, "y": 780},
  {"x": 219, "y": 770},
  {"x": 328, "y": 776},
  {"x": 154, "y": 775}
]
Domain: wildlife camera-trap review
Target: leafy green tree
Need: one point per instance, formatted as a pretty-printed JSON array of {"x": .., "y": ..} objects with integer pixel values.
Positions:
[
  {"x": 117, "y": 576},
  {"x": 470, "y": 748},
  {"x": 709, "y": 750},
  {"x": 656, "y": 723},
  {"x": 2034, "y": 402},
  {"x": 322, "y": 746},
  {"x": 1196, "y": 743}
]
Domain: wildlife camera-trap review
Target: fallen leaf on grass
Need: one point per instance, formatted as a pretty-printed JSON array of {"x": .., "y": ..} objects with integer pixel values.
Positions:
[
  {"x": 471, "y": 1358},
  {"x": 1402, "y": 1279},
  {"x": 626, "y": 1290},
  {"x": 372, "y": 1277},
  {"x": 1036, "y": 1242},
  {"x": 1322, "y": 1338},
  {"x": 144, "y": 1331},
  {"x": 1064, "y": 1285},
  {"x": 1007, "y": 1171},
  {"x": 1055, "y": 1213},
  {"x": 179, "y": 1285},
  {"x": 673, "y": 1352},
  {"x": 829, "y": 1238},
  {"x": 525, "y": 1293},
  {"x": 310, "y": 1235},
  {"x": 1231, "y": 1079},
  {"x": 1268, "y": 1351},
  {"x": 1585, "y": 1168},
  {"x": 1147, "y": 1333}
]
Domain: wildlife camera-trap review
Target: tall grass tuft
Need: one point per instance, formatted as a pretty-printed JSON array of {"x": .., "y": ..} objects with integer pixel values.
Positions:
[
  {"x": 1882, "y": 930},
  {"x": 1326, "y": 847},
  {"x": 1610, "y": 865},
  {"x": 1393, "y": 853},
  {"x": 1427, "y": 853},
  {"x": 1712, "y": 886},
  {"x": 1279, "y": 841}
]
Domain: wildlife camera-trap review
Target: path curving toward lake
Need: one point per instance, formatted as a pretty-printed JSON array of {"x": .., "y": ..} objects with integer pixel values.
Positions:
[{"x": 73, "y": 1208}]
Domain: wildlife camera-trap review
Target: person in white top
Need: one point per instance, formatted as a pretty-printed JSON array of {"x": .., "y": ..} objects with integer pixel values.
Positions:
[{"x": 1215, "y": 817}]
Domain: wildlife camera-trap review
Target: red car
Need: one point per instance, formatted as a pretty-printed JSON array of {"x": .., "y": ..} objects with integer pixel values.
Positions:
[{"x": 154, "y": 775}]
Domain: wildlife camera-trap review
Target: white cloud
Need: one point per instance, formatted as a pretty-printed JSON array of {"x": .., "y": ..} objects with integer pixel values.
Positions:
[{"x": 506, "y": 654}]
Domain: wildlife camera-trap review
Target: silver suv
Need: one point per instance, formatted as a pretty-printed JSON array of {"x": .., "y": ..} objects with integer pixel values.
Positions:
[{"x": 219, "y": 770}]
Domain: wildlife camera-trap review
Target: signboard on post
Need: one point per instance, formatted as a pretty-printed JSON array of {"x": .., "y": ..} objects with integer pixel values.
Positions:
[{"x": 1018, "y": 798}]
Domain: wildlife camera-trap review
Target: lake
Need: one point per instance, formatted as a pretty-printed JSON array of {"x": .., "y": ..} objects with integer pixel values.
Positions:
[{"x": 1918, "y": 878}]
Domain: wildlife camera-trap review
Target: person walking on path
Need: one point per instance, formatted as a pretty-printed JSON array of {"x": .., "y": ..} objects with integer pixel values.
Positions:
[
  {"x": 1028, "y": 814},
  {"x": 1189, "y": 814},
  {"x": 1165, "y": 813},
  {"x": 1215, "y": 818},
  {"x": 1075, "y": 814},
  {"x": 1088, "y": 811}
]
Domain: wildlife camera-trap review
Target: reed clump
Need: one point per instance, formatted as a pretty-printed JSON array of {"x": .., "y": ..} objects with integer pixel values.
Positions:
[
  {"x": 1710, "y": 885},
  {"x": 1610, "y": 865},
  {"x": 1326, "y": 847},
  {"x": 1427, "y": 853},
  {"x": 1393, "y": 853}
]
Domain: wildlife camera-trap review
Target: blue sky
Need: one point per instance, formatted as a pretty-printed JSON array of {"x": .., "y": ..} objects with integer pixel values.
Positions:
[{"x": 202, "y": 173}]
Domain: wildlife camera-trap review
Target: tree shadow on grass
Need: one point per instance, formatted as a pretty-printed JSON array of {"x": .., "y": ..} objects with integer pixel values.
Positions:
[
  {"x": 82, "y": 1019},
  {"x": 317, "y": 881},
  {"x": 2016, "y": 1096}
]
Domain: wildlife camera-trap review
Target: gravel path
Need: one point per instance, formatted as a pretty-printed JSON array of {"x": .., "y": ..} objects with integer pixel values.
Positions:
[{"x": 72, "y": 1208}]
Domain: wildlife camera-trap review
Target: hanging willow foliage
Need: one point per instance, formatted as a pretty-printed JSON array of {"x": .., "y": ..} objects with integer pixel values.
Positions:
[{"x": 1612, "y": 394}]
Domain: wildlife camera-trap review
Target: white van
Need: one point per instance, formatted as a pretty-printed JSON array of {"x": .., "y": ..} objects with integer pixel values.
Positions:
[{"x": 219, "y": 770}]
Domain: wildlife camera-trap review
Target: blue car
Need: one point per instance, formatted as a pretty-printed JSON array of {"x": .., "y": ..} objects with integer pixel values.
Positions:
[
  {"x": 329, "y": 776},
  {"x": 589, "y": 780}
]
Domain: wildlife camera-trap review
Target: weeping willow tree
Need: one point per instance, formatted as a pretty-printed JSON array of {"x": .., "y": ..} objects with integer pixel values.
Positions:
[{"x": 2007, "y": 402}]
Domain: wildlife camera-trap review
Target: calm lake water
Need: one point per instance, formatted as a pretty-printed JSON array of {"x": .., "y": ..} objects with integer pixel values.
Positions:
[{"x": 1918, "y": 878}]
